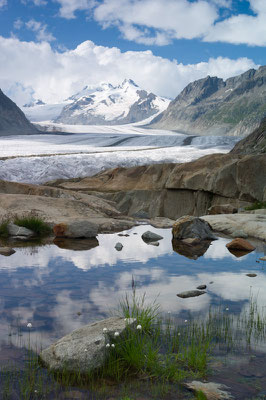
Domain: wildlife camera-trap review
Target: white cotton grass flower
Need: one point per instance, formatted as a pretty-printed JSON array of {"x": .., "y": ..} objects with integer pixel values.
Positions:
[
  {"x": 178, "y": 334},
  {"x": 107, "y": 345},
  {"x": 168, "y": 312},
  {"x": 116, "y": 334},
  {"x": 139, "y": 327},
  {"x": 29, "y": 325},
  {"x": 227, "y": 309},
  {"x": 85, "y": 350},
  {"x": 105, "y": 330},
  {"x": 113, "y": 345}
]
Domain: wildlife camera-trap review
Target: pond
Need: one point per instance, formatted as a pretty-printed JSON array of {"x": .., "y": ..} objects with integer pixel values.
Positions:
[{"x": 60, "y": 287}]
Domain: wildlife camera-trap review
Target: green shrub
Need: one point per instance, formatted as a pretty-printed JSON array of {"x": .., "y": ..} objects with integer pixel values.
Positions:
[
  {"x": 34, "y": 223},
  {"x": 257, "y": 205}
]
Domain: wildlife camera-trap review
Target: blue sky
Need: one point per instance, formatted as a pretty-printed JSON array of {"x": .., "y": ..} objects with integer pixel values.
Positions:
[{"x": 53, "y": 48}]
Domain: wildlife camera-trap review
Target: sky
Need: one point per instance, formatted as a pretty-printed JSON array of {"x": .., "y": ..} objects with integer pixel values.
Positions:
[{"x": 51, "y": 49}]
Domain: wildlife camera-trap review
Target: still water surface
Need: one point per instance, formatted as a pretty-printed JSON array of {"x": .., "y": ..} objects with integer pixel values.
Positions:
[
  {"x": 58, "y": 290},
  {"x": 50, "y": 286}
]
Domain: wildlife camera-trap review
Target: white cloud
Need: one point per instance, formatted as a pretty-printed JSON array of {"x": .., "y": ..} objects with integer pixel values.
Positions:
[
  {"x": 3, "y": 3},
  {"x": 35, "y": 2},
  {"x": 242, "y": 28},
  {"x": 40, "y": 29},
  {"x": 155, "y": 22},
  {"x": 69, "y": 7},
  {"x": 55, "y": 76},
  {"x": 179, "y": 19},
  {"x": 18, "y": 23}
]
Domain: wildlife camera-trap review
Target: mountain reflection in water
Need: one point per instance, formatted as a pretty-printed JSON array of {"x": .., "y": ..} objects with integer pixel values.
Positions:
[{"x": 59, "y": 287}]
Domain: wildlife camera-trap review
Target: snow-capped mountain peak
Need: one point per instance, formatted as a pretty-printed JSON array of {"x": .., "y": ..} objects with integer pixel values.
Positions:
[{"x": 110, "y": 105}]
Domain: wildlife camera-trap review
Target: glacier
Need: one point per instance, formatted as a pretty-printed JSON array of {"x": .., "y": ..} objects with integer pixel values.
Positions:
[{"x": 44, "y": 157}]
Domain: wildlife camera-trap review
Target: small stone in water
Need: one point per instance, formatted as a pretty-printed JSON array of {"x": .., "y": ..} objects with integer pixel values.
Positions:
[
  {"x": 251, "y": 275},
  {"x": 190, "y": 293},
  {"x": 201, "y": 287},
  {"x": 118, "y": 246}
]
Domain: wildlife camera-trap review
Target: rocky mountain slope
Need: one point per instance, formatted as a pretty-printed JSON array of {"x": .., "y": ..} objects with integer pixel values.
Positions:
[
  {"x": 111, "y": 105},
  {"x": 255, "y": 143},
  {"x": 12, "y": 119},
  {"x": 212, "y": 106}
]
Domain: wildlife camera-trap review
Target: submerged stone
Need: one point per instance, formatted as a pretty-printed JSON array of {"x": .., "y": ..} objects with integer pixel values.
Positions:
[
  {"x": 151, "y": 237},
  {"x": 201, "y": 287},
  {"x": 190, "y": 293},
  {"x": 118, "y": 246},
  {"x": 212, "y": 390}
]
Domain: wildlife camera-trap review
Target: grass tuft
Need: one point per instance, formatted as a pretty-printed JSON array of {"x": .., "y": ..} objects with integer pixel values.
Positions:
[{"x": 34, "y": 223}]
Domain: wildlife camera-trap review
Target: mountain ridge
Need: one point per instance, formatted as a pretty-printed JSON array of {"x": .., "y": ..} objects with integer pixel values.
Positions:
[{"x": 211, "y": 105}]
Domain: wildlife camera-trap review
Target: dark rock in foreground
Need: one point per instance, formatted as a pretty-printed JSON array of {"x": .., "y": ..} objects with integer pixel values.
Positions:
[{"x": 192, "y": 227}]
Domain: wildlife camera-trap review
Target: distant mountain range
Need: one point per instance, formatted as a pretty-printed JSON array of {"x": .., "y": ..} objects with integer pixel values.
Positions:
[
  {"x": 212, "y": 106},
  {"x": 112, "y": 105},
  {"x": 12, "y": 119},
  {"x": 102, "y": 105}
]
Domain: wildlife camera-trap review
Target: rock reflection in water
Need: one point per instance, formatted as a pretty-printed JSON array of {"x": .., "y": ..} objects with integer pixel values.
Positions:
[
  {"x": 76, "y": 244},
  {"x": 191, "y": 250},
  {"x": 238, "y": 253}
]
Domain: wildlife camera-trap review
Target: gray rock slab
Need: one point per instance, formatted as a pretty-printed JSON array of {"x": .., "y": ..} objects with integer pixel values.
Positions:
[
  {"x": 76, "y": 229},
  {"x": 254, "y": 225},
  {"x": 15, "y": 230},
  {"x": 239, "y": 234},
  {"x": 190, "y": 293},
  {"x": 6, "y": 251},
  {"x": 149, "y": 236},
  {"x": 85, "y": 349}
]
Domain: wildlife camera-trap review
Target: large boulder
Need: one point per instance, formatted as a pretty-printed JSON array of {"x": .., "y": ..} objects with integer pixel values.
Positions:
[
  {"x": 192, "y": 227},
  {"x": 85, "y": 349},
  {"x": 76, "y": 229}
]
